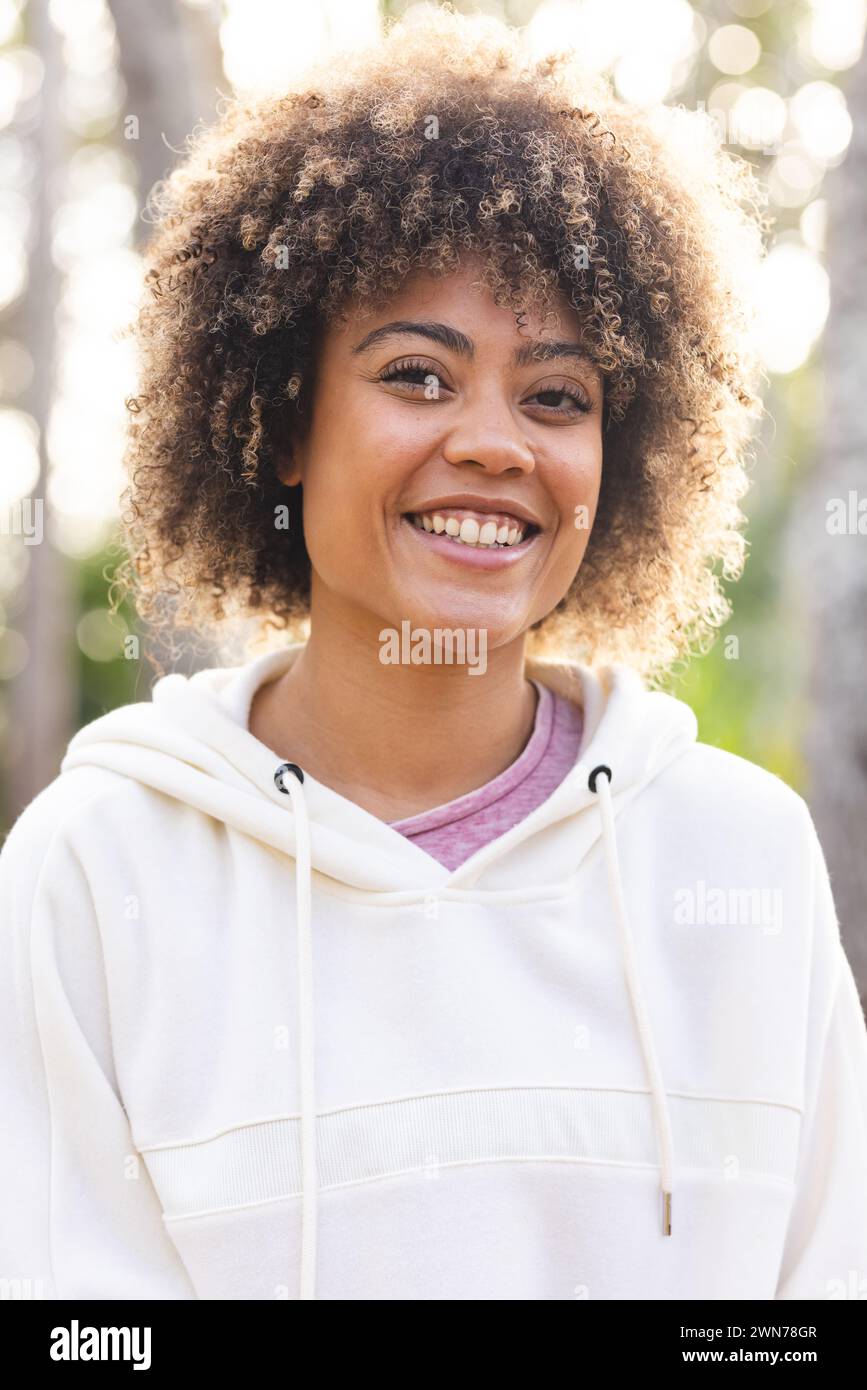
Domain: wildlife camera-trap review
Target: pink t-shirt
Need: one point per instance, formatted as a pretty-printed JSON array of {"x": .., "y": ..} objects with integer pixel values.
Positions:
[{"x": 454, "y": 831}]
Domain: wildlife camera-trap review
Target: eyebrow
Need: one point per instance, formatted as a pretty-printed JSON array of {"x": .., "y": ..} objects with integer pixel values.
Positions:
[{"x": 538, "y": 350}]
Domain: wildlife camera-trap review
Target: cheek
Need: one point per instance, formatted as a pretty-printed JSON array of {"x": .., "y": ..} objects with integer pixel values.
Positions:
[
  {"x": 360, "y": 464},
  {"x": 576, "y": 489},
  {"x": 335, "y": 532},
  {"x": 355, "y": 469}
]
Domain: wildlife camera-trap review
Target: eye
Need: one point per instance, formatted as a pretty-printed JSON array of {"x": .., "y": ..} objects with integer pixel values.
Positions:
[
  {"x": 415, "y": 373},
  {"x": 419, "y": 374},
  {"x": 579, "y": 399}
]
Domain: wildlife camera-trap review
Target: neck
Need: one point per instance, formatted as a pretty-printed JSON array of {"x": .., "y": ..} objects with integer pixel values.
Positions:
[{"x": 395, "y": 739}]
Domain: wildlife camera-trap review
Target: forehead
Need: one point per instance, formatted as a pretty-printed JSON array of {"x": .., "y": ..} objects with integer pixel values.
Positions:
[{"x": 459, "y": 298}]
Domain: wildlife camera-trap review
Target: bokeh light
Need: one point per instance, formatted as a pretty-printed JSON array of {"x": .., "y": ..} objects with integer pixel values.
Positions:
[
  {"x": 833, "y": 34},
  {"x": 813, "y": 225},
  {"x": 100, "y": 635},
  {"x": 266, "y": 43},
  {"x": 734, "y": 49},
  {"x": 19, "y": 450},
  {"x": 822, "y": 120},
  {"x": 649, "y": 48},
  {"x": 792, "y": 299},
  {"x": 758, "y": 118}
]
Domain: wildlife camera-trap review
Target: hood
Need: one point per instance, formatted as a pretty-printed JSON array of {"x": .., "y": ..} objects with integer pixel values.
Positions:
[{"x": 191, "y": 742}]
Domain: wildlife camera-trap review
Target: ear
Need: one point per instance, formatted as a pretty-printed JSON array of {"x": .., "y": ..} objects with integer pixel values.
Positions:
[
  {"x": 288, "y": 449},
  {"x": 289, "y": 464}
]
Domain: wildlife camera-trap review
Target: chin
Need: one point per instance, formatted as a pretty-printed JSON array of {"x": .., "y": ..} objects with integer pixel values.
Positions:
[{"x": 499, "y": 629}]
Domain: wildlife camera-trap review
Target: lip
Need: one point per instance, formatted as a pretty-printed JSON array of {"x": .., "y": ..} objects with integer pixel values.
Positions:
[
  {"x": 477, "y": 502},
  {"x": 473, "y": 557}
]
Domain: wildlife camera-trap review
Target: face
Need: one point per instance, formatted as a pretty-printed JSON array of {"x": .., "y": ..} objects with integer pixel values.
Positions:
[{"x": 451, "y": 465}]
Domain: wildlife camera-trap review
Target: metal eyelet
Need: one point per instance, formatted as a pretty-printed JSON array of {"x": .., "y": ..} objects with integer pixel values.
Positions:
[
  {"x": 591, "y": 782},
  {"x": 282, "y": 770}
]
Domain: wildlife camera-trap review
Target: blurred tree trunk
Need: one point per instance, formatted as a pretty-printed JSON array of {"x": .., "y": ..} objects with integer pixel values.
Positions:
[
  {"x": 42, "y": 697},
  {"x": 171, "y": 64},
  {"x": 834, "y": 567}
]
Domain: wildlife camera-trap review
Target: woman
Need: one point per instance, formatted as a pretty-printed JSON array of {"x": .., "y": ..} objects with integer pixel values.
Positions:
[{"x": 401, "y": 962}]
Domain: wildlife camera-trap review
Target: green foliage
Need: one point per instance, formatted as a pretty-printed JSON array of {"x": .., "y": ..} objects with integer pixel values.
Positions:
[{"x": 104, "y": 684}]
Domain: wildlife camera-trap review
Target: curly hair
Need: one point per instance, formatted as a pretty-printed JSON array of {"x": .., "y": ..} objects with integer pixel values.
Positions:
[{"x": 446, "y": 137}]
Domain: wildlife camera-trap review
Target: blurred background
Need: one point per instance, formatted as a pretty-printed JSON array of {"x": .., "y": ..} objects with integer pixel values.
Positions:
[{"x": 96, "y": 100}]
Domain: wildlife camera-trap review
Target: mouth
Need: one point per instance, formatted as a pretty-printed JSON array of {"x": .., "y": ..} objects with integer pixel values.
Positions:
[{"x": 481, "y": 539}]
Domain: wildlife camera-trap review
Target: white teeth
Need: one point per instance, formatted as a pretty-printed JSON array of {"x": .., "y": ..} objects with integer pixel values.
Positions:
[{"x": 468, "y": 531}]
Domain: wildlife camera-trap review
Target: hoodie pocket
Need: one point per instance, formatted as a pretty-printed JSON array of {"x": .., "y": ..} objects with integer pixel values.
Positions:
[{"x": 250, "y": 1164}]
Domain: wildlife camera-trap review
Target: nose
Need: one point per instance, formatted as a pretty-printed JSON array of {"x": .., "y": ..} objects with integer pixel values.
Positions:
[{"x": 488, "y": 437}]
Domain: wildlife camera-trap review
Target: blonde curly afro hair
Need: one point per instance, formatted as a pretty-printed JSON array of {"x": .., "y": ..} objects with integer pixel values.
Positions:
[{"x": 447, "y": 137}]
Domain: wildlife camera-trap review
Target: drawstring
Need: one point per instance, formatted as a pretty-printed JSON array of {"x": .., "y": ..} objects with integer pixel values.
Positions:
[
  {"x": 309, "y": 1181},
  {"x": 661, "y": 1117}
]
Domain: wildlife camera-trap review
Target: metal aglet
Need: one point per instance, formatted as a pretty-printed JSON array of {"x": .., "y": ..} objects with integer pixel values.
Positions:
[{"x": 666, "y": 1213}]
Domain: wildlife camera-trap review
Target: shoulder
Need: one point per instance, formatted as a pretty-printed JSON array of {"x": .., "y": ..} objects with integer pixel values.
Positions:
[
  {"x": 82, "y": 787},
  {"x": 53, "y": 813},
  {"x": 717, "y": 785},
  {"x": 78, "y": 801},
  {"x": 734, "y": 820}
]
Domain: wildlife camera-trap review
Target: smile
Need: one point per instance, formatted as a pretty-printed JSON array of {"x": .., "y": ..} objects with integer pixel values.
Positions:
[
  {"x": 480, "y": 540},
  {"x": 472, "y": 528}
]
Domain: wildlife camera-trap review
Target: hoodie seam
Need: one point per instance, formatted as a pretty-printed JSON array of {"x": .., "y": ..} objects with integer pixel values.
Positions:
[
  {"x": 826, "y": 1020},
  {"x": 456, "y": 1091},
  {"x": 393, "y": 1175},
  {"x": 57, "y": 831},
  {"x": 371, "y": 897},
  {"x": 48, "y": 1107}
]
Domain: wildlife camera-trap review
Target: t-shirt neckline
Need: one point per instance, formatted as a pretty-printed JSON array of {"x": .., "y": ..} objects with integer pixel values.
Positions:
[{"x": 476, "y": 800}]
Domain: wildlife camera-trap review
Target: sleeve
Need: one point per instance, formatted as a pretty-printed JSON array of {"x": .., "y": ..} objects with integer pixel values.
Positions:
[
  {"x": 79, "y": 1217},
  {"x": 825, "y": 1252}
]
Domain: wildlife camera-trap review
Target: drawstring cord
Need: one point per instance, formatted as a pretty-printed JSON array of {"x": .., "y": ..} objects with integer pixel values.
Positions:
[
  {"x": 662, "y": 1120},
  {"x": 309, "y": 1179}
]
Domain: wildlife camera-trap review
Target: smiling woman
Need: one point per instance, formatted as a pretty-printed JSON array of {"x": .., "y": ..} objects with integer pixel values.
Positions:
[
  {"x": 448, "y": 413},
  {"x": 290, "y": 939},
  {"x": 314, "y": 222}
]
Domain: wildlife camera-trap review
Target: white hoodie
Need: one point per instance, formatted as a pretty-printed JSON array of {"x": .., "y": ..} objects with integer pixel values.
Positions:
[{"x": 255, "y": 1044}]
